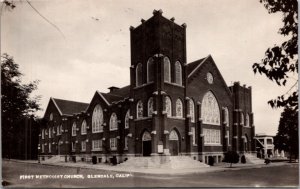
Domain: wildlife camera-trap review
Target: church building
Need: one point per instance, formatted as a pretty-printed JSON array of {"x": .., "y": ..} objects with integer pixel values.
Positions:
[{"x": 170, "y": 107}]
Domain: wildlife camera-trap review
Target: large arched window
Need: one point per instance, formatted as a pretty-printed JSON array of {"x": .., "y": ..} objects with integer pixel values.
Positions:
[
  {"x": 247, "y": 120},
  {"x": 226, "y": 116},
  {"x": 139, "y": 109},
  {"x": 167, "y": 69},
  {"x": 139, "y": 74},
  {"x": 179, "y": 108},
  {"x": 113, "y": 122},
  {"x": 97, "y": 119},
  {"x": 168, "y": 106},
  {"x": 74, "y": 129},
  {"x": 178, "y": 73},
  {"x": 127, "y": 116},
  {"x": 150, "y": 70},
  {"x": 210, "y": 112},
  {"x": 192, "y": 110},
  {"x": 83, "y": 127},
  {"x": 150, "y": 107}
]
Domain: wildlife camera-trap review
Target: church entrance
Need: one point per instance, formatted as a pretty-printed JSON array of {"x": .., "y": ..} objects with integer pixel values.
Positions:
[
  {"x": 174, "y": 143},
  {"x": 146, "y": 144}
]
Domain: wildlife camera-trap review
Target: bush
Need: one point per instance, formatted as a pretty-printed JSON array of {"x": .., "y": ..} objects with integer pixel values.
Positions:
[
  {"x": 211, "y": 161},
  {"x": 243, "y": 159},
  {"x": 231, "y": 157}
]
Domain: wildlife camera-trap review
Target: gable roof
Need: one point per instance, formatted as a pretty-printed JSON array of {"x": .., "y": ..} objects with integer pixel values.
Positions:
[
  {"x": 67, "y": 107},
  {"x": 193, "y": 66}
]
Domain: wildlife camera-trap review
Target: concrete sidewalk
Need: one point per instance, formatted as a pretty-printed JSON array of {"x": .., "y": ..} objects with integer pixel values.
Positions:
[{"x": 169, "y": 171}]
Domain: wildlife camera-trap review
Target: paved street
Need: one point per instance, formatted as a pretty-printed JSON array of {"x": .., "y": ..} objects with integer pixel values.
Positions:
[{"x": 23, "y": 174}]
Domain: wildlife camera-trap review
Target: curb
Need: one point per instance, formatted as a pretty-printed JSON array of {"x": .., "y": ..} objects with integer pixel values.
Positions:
[{"x": 206, "y": 170}]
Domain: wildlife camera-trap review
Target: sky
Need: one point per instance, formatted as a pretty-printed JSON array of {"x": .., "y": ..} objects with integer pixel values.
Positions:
[{"x": 93, "y": 53}]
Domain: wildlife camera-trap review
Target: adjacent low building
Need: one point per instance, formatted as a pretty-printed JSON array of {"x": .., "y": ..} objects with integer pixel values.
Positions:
[{"x": 170, "y": 107}]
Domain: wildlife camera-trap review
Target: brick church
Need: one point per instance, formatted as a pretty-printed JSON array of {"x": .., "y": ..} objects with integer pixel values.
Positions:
[{"x": 170, "y": 107}]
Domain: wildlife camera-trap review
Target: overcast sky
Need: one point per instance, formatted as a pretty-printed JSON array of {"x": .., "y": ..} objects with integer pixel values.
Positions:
[{"x": 95, "y": 54}]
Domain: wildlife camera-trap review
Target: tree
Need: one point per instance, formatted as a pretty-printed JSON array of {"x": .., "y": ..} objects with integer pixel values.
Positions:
[
  {"x": 231, "y": 157},
  {"x": 281, "y": 61},
  {"x": 16, "y": 102},
  {"x": 287, "y": 136}
]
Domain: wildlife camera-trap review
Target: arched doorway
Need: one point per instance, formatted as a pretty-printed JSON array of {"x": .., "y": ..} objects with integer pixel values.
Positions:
[
  {"x": 146, "y": 144},
  {"x": 174, "y": 143}
]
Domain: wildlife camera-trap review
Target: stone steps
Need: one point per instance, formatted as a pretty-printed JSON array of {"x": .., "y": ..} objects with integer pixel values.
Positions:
[
  {"x": 174, "y": 162},
  {"x": 53, "y": 159},
  {"x": 250, "y": 158}
]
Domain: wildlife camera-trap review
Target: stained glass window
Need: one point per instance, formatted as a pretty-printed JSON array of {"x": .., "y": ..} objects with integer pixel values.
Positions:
[
  {"x": 150, "y": 107},
  {"x": 179, "y": 108},
  {"x": 178, "y": 73},
  {"x": 139, "y": 108},
  {"x": 74, "y": 129},
  {"x": 167, "y": 69},
  {"x": 127, "y": 119},
  {"x": 192, "y": 110},
  {"x": 113, "y": 122},
  {"x": 83, "y": 127},
  {"x": 139, "y": 74},
  {"x": 173, "y": 135},
  {"x": 210, "y": 112},
  {"x": 168, "y": 106},
  {"x": 97, "y": 119},
  {"x": 212, "y": 136}
]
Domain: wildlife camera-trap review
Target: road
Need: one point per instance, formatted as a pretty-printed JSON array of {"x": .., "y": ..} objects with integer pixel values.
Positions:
[{"x": 15, "y": 172}]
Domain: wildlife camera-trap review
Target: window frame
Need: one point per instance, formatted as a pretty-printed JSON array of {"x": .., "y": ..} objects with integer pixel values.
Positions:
[
  {"x": 139, "y": 114},
  {"x": 178, "y": 104},
  {"x": 178, "y": 66},
  {"x": 97, "y": 119},
  {"x": 113, "y": 122},
  {"x": 113, "y": 144},
  {"x": 74, "y": 127},
  {"x": 213, "y": 109},
  {"x": 83, "y": 130},
  {"x": 168, "y": 66}
]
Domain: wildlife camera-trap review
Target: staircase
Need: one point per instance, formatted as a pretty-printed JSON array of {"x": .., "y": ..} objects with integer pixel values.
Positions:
[
  {"x": 173, "y": 162},
  {"x": 53, "y": 159},
  {"x": 252, "y": 159}
]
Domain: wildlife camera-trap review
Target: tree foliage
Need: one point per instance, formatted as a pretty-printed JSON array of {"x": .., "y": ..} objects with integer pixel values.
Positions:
[
  {"x": 16, "y": 101},
  {"x": 281, "y": 61},
  {"x": 231, "y": 157},
  {"x": 287, "y": 136}
]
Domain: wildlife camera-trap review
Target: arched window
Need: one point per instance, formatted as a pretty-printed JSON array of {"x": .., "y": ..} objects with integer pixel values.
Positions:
[
  {"x": 226, "y": 116},
  {"x": 97, "y": 119},
  {"x": 210, "y": 112},
  {"x": 51, "y": 117},
  {"x": 83, "y": 127},
  {"x": 168, "y": 106},
  {"x": 167, "y": 68},
  {"x": 127, "y": 116},
  {"x": 192, "y": 110},
  {"x": 242, "y": 121},
  {"x": 74, "y": 129},
  {"x": 247, "y": 120},
  {"x": 146, "y": 136},
  {"x": 139, "y": 109},
  {"x": 150, "y": 70},
  {"x": 139, "y": 74},
  {"x": 178, "y": 73},
  {"x": 173, "y": 135},
  {"x": 113, "y": 122},
  {"x": 179, "y": 108},
  {"x": 150, "y": 107},
  {"x": 61, "y": 128}
]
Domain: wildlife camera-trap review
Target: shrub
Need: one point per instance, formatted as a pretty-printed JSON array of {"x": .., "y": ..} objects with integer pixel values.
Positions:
[
  {"x": 243, "y": 159},
  {"x": 231, "y": 157}
]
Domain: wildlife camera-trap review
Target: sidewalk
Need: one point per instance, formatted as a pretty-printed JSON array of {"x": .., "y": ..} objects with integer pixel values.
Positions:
[{"x": 216, "y": 168}]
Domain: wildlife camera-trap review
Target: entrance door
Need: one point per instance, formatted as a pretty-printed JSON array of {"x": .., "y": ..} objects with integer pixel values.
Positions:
[
  {"x": 146, "y": 143},
  {"x": 174, "y": 143}
]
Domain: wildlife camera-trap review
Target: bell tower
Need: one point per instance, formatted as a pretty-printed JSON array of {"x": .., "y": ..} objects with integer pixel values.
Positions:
[{"x": 158, "y": 58}]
